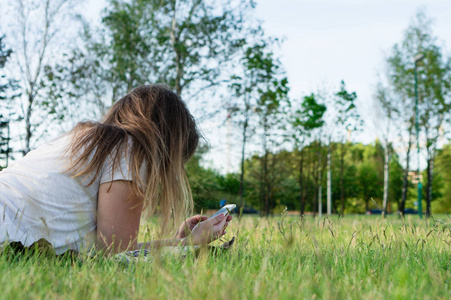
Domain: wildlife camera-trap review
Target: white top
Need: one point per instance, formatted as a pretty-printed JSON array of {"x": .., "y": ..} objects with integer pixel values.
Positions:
[{"x": 39, "y": 201}]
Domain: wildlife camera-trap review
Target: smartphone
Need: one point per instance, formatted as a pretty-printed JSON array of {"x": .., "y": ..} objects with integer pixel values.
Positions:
[{"x": 226, "y": 210}]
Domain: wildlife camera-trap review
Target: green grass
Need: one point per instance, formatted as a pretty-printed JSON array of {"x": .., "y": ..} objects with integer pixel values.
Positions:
[{"x": 354, "y": 257}]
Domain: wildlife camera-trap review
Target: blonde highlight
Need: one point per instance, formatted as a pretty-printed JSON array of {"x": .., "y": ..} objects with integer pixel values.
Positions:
[{"x": 163, "y": 137}]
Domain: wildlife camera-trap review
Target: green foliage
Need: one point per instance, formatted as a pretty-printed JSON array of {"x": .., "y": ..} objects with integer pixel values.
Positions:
[
  {"x": 347, "y": 115},
  {"x": 184, "y": 44},
  {"x": 309, "y": 116},
  {"x": 362, "y": 178},
  {"x": 208, "y": 187},
  {"x": 396, "y": 172},
  {"x": 442, "y": 181},
  {"x": 283, "y": 187},
  {"x": 204, "y": 184},
  {"x": 369, "y": 182},
  {"x": 263, "y": 84}
]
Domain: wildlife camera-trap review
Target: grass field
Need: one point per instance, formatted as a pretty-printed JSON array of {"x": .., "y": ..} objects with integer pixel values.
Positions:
[{"x": 282, "y": 257}]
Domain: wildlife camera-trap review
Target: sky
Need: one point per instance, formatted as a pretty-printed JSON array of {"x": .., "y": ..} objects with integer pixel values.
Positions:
[{"x": 327, "y": 41}]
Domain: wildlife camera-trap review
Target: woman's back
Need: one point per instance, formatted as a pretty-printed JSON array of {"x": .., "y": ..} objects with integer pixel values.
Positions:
[{"x": 38, "y": 199}]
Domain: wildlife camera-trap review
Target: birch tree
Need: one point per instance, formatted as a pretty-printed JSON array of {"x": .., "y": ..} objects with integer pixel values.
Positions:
[
  {"x": 341, "y": 120},
  {"x": 385, "y": 124},
  {"x": 36, "y": 44}
]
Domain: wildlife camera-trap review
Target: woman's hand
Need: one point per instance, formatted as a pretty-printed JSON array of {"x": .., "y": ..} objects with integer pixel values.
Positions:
[
  {"x": 187, "y": 226},
  {"x": 207, "y": 231}
]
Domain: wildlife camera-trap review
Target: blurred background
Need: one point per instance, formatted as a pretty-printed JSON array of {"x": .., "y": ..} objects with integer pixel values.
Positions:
[{"x": 320, "y": 107}]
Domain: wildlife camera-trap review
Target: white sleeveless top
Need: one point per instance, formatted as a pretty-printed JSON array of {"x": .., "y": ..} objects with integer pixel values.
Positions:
[{"x": 39, "y": 201}]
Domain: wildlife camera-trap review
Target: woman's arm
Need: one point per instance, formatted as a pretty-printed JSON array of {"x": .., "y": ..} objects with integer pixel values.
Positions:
[
  {"x": 118, "y": 219},
  {"x": 118, "y": 216}
]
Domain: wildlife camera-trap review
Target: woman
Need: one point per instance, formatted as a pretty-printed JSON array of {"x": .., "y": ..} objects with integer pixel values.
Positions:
[{"x": 91, "y": 186}]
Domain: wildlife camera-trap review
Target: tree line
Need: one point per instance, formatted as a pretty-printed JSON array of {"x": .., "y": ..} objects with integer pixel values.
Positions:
[
  {"x": 218, "y": 58},
  {"x": 363, "y": 182}
]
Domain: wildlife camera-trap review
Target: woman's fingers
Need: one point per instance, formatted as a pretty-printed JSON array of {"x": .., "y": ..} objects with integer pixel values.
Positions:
[
  {"x": 218, "y": 219},
  {"x": 210, "y": 229},
  {"x": 194, "y": 220},
  {"x": 198, "y": 218},
  {"x": 218, "y": 228}
]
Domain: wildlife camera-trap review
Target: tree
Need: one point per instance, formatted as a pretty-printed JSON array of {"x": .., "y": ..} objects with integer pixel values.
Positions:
[
  {"x": 384, "y": 114},
  {"x": 347, "y": 120},
  {"x": 305, "y": 120},
  {"x": 434, "y": 85},
  {"x": 369, "y": 180},
  {"x": 363, "y": 177},
  {"x": 394, "y": 118},
  {"x": 185, "y": 44},
  {"x": 258, "y": 89},
  {"x": 284, "y": 186},
  {"x": 36, "y": 49},
  {"x": 262, "y": 88},
  {"x": 269, "y": 94},
  {"x": 244, "y": 88},
  {"x": 272, "y": 98},
  {"x": 204, "y": 184}
]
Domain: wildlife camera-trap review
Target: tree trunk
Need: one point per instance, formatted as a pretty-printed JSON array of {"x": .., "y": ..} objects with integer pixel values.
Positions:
[
  {"x": 175, "y": 39},
  {"x": 342, "y": 186},
  {"x": 320, "y": 175},
  {"x": 262, "y": 192},
  {"x": 28, "y": 131},
  {"x": 314, "y": 172},
  {"x": 301, "y": 184},
  {"x": 271, "y": 181},
  {"x": 243, "y": 148},
  {"x": 265, "y": 170},
  {"x": 430, "y": 172},
  {"x": 405, "y": 181},
  {"x": 315, "y": 187},
  {"x": 265, "y": 181},
  {"x": 8, "y": 150},
  {"x": 329, "y": 180},
  {"x": 320, "y": 196},
  {"x": 386, "y": 161}
]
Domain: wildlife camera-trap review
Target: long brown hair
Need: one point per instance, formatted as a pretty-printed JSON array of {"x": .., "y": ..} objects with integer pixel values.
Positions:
[{"x": 164, "y": 136}]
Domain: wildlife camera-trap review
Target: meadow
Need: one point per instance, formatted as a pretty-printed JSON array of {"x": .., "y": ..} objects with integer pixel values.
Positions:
[{"x": 285, "y": 257}]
